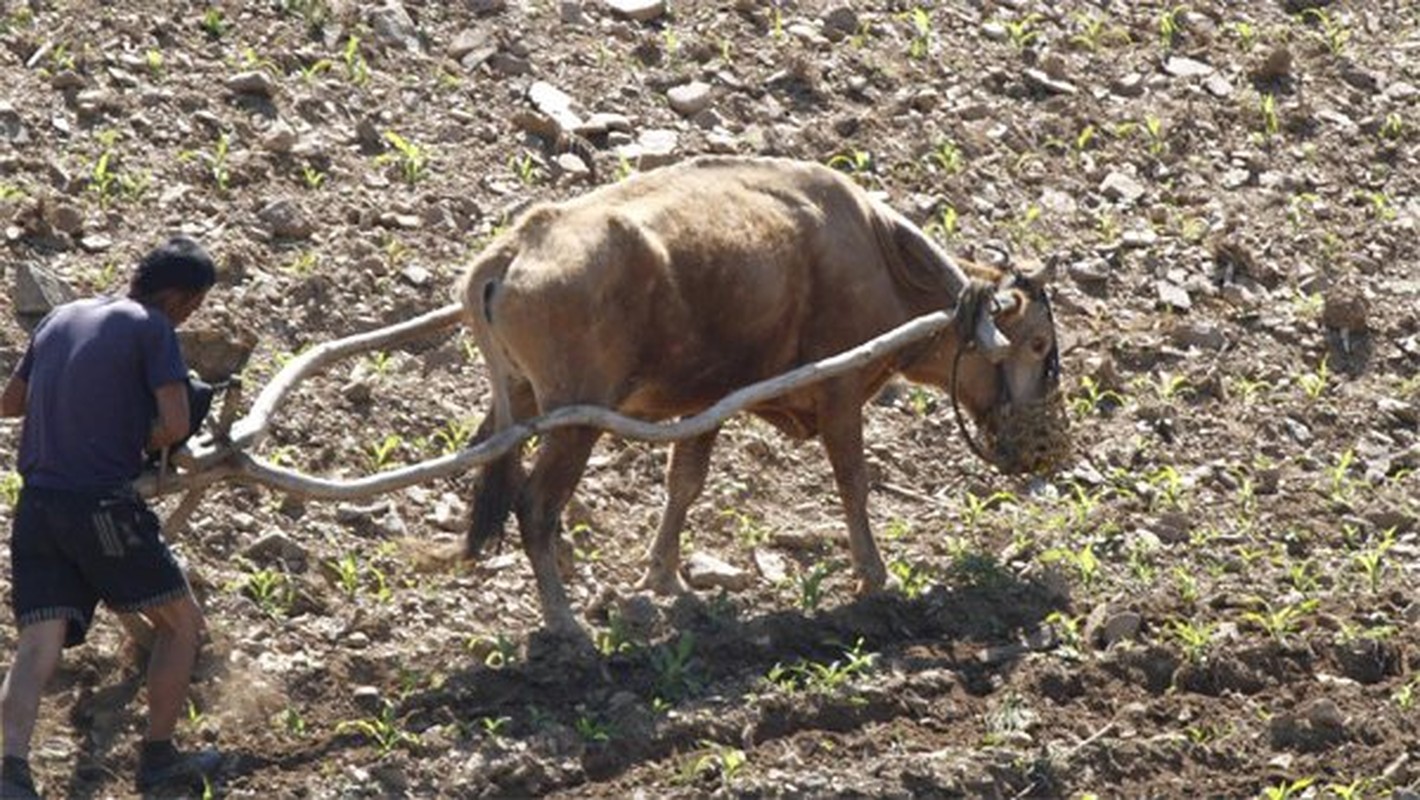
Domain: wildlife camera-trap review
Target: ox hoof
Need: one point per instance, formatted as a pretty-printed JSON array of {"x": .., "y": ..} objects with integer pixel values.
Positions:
[{"x": 662, "y": 583}]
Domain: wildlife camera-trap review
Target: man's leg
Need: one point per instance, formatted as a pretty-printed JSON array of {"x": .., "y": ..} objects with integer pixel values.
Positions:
[
  {"x": 177, "y": 627},
  {"x": 36, "y": 657}
]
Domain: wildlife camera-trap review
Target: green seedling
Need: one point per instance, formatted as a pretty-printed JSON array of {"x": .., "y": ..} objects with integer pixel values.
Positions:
[
  {"x": 921, "y": 34},
  {"x": 749, "y": 531},
  {"x": 525, "y": 167},
  {"x": 382, "y": 730},
  {"x": 1271, "y": 122},
  {"x": 675, "y": 671},
  {"x": 270, "y": 589},
  {"x": 1372, "y": 561},
  {"x": 1334, "y": 35},
  {"x": 1022, "y": 32},
  {"x": 1169, "y": 27},
  {"x": 213, "y": 23},
  {"x": 382, "y": 452},
  {"x": 293, "y": 723},
  {"x": 1314, "y": 383},
  {"x": 1287, "y": 789},
  {"x": 1196, "y": 638},
  {"x": 1092, "y": 398},
  {"x": 1393, "y": 129},
  {"x": 313, "y": 178},
  {"x": 976, "y": 506},
  {"x": 810, "y": 584},
  {"x": 944, "y": 226},
  {"x": 454, "y": 436},
  {"x": 355, "y": 67},
  {"x": 499, "y": 651},
  {"x": 1084, "y": 561},
  {"x": 913, "y": 579},
  {"x": 857, "y": 164},
  {"x": 1157, "y": 136},
  {"x": 1280, "y": 622},
  {"x": 10, "y": 485},
  {"x": 721, "y": 760},
  {"x": 413, "y": 161},
  {"x": 593, "y": 730},
  {"x": 949, "y": 157},
  {"x": 1404, "y": 696},
  {"x": 1245, "y": 33}
]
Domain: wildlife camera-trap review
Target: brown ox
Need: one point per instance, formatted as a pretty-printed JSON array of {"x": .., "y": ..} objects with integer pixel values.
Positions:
[{"x": 661, "y": 294}]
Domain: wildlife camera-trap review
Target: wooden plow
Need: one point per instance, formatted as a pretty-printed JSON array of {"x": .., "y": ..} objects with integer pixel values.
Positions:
[{"x": 224, "y": 453}]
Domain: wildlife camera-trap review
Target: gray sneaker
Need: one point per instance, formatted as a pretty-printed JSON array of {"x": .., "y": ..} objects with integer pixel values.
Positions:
[{"x": 189, "y": 768}]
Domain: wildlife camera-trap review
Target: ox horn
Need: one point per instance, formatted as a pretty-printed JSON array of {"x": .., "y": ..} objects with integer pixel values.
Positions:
[{"x": 989, "y": 339}]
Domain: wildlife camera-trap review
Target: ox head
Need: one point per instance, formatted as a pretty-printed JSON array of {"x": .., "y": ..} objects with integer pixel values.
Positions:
[{"x": 1008, "y": 377}]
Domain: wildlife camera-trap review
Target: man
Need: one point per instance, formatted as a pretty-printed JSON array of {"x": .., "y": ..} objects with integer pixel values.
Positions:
[{"x": 102, "y": 381}]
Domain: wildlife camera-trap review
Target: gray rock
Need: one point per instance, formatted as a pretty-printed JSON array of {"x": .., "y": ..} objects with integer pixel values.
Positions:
[
  {"x": 275, "y": 547},
  {"x": 215, "y": 354},
  {"x": 37, "y": 291},
  {"x": 653, "y": 148},
  {"x": 1181, "y": 67},
  {"x": 1131, "y": 85},
  {"x": 486, "y": 7},
  {"x": 254, "y": 82},
  {"x": 1121, "y": 187},
  {"x": 394, "y": 27},
  {"x": 66, "y": 218},
  {"x": 1202, "y": 335},
  {"x": 639, "y": 10},
  {"x": 1090, "y": 271},
  {"x": 1123, "y": 626},
  {"x": 1275, "y": 66},
  {"x": 554, "y": 103},
  {"x": 12, "y": 125},
  {"x": 1040, "y": 80},
  {"x": 366, "y": 698},
  {"x": 691, "y": 98},
  {"x": 280, "y": 138},
  {"x": 469, "y": 40},
  {"x": 1171, "y": 295},
  {"x": 285, "y": 219},
  {"x": 704, "y": 571},
  {"x": 839, "y": 22}
]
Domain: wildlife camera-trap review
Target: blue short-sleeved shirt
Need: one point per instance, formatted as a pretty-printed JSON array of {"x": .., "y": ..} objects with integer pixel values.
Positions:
[{"x": 91, "y": 368}]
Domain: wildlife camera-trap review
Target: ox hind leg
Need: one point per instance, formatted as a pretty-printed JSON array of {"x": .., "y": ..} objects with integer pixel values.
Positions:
[
  {"x": 561, "y": 460},
  {"x": 841, "y": 430},
  {"x": 685, "y": 478}
]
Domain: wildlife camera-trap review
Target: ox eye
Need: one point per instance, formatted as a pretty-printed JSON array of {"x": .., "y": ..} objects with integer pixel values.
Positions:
[{"x": 1039, "y": 345}]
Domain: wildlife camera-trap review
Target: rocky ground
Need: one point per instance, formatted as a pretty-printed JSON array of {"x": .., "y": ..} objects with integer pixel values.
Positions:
[{"x": 1218, "y": 598}]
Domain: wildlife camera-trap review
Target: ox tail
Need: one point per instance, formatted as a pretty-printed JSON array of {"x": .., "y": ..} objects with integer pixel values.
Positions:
[{"x": 497, "y": 484}]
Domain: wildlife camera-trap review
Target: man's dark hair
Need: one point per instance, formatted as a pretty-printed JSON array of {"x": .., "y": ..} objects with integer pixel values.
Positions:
[{"x": 178, "y": 263}]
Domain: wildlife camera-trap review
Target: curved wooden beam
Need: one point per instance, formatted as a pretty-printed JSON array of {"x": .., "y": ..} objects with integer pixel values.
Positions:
[{"x": 226, "y": 461}]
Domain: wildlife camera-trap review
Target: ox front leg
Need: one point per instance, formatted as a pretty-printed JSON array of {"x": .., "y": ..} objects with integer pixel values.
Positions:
[
  {"x": 561, "y": 459},
  {"x": 841, "y": 430},
  {"x": 685, "y": 478}
]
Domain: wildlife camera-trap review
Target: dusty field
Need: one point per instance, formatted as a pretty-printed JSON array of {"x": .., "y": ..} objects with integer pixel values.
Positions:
[{"x": 1217, "y": 599}]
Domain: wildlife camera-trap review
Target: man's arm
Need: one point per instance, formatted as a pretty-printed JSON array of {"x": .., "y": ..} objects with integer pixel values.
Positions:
[
  {"x": 12, "y": 402},
  {"x": 172, "y": 424}
]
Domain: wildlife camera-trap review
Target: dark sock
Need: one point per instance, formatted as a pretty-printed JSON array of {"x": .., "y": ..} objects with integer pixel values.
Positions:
[{"x": 158, "y": 753}]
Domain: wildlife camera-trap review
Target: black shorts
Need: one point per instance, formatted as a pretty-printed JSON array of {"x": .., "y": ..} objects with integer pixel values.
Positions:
[{"x": 69, "y": 550}]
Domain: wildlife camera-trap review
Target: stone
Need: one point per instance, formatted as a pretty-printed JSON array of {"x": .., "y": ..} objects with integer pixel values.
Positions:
[
  {"x": 691, "y": 98},
  {"x": 215, "y": 354},
  {"x": 12, "y": 125},
  {"x": 1181, "y": 67},
  {"x": 1202, "y": 335},
  {"x": 1041, "y": 81},
  {"x": 366, "y": 698},
  {"x": 1171, "y": 295},
  {"x": 1276, "y": 66},
  {"x": 468, "y": 40},
  {"x": 37, "y": 291},
  {"x": 839, "y": 22},
  {"x": 285, "y": 219},
  {"x": 1121, "y": 627},
  {"x": 393, "y": 27},
  {"x": 1122, "y": 188},
  {"x": 1345, "y": 308},
  {"x": 275, "y": 547},
  {"x": 554, "y": 103},
  {"x": 704, "y": 571},
  {"x": 280, "y": 138},
  {"x": 653, "y": 148},
  {"x": 772, "y": 566},
  {"x": 254, "y": 82},
  {"x": 639, "y": 10}
]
